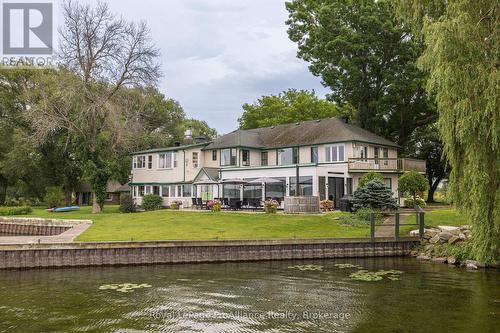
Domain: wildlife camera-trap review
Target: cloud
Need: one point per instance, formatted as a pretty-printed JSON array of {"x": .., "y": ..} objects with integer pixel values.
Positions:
[{"x": 219, "y": 54}]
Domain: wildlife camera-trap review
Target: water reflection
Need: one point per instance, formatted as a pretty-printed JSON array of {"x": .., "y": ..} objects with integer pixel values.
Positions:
[{"x": 251, "y": 297}]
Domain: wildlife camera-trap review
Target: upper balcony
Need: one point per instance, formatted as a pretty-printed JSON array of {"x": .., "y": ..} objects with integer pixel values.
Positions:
[{"x": 385, "y": 164}]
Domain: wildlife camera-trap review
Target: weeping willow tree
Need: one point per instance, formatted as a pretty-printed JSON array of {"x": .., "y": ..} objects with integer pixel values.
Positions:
[{"x": 462, "y": 57}]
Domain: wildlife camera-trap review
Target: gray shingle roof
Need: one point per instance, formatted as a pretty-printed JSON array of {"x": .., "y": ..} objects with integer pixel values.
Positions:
[
  {"x": 159, "y": 150},
  {"x": 297, "y": 134}
]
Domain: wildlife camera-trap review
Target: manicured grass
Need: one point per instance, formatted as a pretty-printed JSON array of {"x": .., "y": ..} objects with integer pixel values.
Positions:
[
  {"x": 111, "y": 225},
  {"x": 436, "y": 218}
]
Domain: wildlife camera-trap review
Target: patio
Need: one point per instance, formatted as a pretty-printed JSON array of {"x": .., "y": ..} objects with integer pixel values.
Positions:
[{"x": 239, "y": 194}]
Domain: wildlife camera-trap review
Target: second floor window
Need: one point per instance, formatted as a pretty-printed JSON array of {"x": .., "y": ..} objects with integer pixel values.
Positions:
[
  {"x": 263, "y": 158},
  {"x": 361, "y": 152},
  {"x": 245, "y": 157},
  {"x": 150, "y": 161},
  {"x": 334, "y": 153},
  {"x": 214, "y": 155},
  {"x": 288, "y": 156},
  {"x": 314, "y": 154},
  {"x": 195, "y": 159},
  {"x": 165, "y": 161},
  {"x": 139, "y": 162},
  {"x": 385, "y": 152},
  {"x": 228, "y": 157}
]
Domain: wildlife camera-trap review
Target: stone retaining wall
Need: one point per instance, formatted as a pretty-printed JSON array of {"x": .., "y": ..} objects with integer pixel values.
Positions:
[
  {"x": 31, "y": 230},
  {"x": 34, "y": 226},
  {"x": 134, "y": 253}
]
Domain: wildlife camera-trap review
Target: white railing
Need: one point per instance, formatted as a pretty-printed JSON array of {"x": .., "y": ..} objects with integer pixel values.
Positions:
[{"x": 386, "y": 164}]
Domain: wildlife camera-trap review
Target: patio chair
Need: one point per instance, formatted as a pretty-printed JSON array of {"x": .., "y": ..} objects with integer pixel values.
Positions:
[
  {"x": 199, "y": 203},
  {"x": 194, "y": 203},
  {"x": 234, "y": 203}
]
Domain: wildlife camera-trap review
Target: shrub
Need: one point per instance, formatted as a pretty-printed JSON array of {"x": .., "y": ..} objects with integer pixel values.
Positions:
[
  {"x": 151, "y": 202},
  {"x": 409, "y": 202},
  {"x": 176, "y": 204},
  {"x": 326, "y": 205},
  {"x": 54, "y": 196},
  {"x": 214, "y": 205},
  {"x": 369, "y": 176},
  {"x": 127, "y": 204},
  {"x": 364, "y": 214},
  {"x": 374, "y": 195},
  {"x": 6, "y": 211},
  {"x": 412, "y": 182},
  {"x": 361, "y": 218},
  {"x": 271, "y": 206}
]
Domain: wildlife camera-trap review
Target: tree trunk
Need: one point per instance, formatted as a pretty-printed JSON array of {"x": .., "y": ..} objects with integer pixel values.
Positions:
[
  {"x": 96, "y": 208},
  {"x": 3, "y": 190},
  {"x": 432, "y": 189}
]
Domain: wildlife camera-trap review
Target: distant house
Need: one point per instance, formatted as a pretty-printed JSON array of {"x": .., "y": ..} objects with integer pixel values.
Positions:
[
  {"x": 331, "y": 154},
  {"x": 113, "y": 191}
]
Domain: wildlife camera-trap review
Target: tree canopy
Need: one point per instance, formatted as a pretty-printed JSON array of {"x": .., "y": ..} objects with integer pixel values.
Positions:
[
  {"x": 287, "y": 107},
  {"x": 462, "y": 48},
  {"x": 367, "y": 58}
]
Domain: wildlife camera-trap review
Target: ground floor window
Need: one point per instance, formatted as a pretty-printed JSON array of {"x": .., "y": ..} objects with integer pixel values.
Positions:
[
  {"x": 252, "y": 192},
  {"x": 141, "y": 191},
  {"x": 322, "y": 187},
  {"x": 276, "y": 190},
  {"x": 305, "y": 185},
  {"x": 388, "y": 182},
  {"x": 186, "y": 191},
  {"x": 231, "y": 190}
]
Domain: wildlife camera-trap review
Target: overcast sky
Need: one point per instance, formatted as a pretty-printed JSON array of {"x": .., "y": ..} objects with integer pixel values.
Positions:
[{"x": 218, "y": 54}]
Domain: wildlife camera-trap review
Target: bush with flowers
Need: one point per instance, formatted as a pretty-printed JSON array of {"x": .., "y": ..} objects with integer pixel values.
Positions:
[
  {"x": 214, "y": 205},
  {"x": 176, "y": 204},
  {"x": 271, "y": 206}
]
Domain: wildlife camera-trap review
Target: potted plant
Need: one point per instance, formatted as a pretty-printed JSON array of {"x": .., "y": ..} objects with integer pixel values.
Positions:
[
  {"x": 176, "y": 204},
  {"x": 214, "y": 205},
  {"x": 271, "y": 206}
]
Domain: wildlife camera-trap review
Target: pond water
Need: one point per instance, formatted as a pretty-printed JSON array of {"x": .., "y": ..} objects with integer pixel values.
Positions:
[{"x": 252, "y": 297}]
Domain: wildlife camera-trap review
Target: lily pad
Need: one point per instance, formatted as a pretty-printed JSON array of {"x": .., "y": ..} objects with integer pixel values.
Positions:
[
  {"x": 343, "y": 266},
  {"x": 124, "y": 287},
  {"x": 309, "y": 267},
  {"x": 365, "y": 275}
]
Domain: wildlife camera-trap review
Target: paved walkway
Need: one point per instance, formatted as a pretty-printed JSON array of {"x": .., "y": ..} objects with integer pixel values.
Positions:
[
  {"x": 66, "y": 237},
  {"x": 387, "y": 228}
]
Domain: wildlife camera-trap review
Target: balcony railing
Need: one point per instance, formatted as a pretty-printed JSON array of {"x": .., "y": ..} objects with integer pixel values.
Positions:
[{"x": 386, "y": 164}]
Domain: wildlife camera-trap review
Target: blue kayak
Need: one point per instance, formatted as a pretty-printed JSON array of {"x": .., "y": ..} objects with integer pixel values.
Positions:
[{"x": 65, "y": 209}]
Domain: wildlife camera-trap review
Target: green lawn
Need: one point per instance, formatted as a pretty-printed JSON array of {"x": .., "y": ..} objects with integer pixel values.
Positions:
[
  {"x": 435, "y": 218},
  {"x": 112, "y": 225}
]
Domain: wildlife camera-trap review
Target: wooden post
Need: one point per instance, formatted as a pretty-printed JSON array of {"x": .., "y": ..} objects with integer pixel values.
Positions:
[
  {"x": 421, "y": 225},
  {"x": 372, "y": 227},
  {"x": 297, "y": 186},
  {"x": 396, "y": 225}
]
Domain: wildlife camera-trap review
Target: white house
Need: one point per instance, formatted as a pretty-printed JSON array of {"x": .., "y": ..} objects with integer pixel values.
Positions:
[{"x": 331, "y": 155}]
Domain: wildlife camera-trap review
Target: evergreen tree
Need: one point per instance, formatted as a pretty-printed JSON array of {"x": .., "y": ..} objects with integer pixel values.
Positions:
[{"x": 375, "y": 195}]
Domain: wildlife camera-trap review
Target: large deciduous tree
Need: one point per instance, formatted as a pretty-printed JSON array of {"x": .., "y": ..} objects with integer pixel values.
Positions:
[
  {"x": 367, "y": 58},
  {"x": 462, "y": 52},
  {"x": 427, "y": 145},
  {"x": 287, "y": 107},
  {"x": 103, "y": 55}
]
